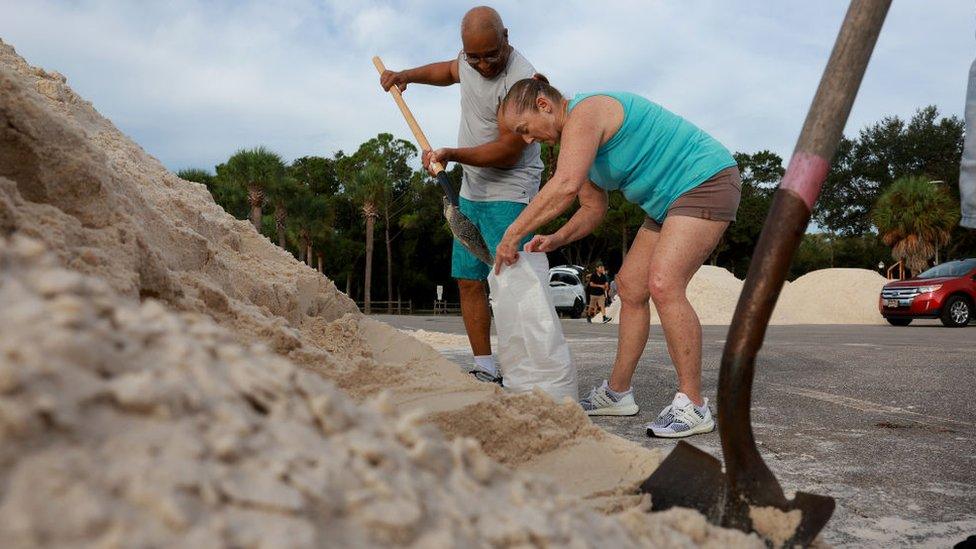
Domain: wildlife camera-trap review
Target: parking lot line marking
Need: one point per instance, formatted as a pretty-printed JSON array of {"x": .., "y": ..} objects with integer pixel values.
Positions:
[{"x": 866, "y": 406}]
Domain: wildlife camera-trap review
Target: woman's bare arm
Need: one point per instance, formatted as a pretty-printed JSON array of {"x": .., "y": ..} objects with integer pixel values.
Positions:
[
  {"x": 593, "y": 207},
  {"x": 589, "y": 125},
  {"x": 580, "y": 140}
]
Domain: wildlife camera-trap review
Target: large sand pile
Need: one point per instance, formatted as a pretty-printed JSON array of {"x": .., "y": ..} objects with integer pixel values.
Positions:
[
  {"x": 125, "y": 424},
  {"x": 167, "y": 374},
  {"x": 827, "y": 296},
  {"x": 831, "y": 296}
]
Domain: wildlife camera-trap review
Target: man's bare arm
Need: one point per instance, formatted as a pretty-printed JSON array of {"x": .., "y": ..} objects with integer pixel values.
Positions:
[
  {"x": 503, "y": 152},
  {"x": 444, "y": 73}
]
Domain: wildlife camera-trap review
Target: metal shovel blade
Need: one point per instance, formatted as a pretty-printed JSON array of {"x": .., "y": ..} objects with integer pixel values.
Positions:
[
  {"x": 816, "y": 510},
  {"x": 461, "y": 227},
  {"x": 466, "y": 233},
  {"x": 692, "y": 478},
  {"x": 702, "y": 484}
]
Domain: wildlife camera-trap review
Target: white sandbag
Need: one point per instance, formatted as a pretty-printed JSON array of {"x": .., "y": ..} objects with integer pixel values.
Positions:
[{"x": 532, "y": 350}]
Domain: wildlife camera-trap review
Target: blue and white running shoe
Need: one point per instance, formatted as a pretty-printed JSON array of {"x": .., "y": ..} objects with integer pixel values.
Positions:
[{"x": 682, "y": 419}]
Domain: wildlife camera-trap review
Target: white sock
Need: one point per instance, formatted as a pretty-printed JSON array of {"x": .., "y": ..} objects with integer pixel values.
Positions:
[
  {"x": 615, "y": 394},
  {"x": 704, "y": 406},
  {"x": 486, "y": 363}
]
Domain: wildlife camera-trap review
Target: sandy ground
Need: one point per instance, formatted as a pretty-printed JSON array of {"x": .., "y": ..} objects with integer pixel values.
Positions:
[
  {"x": 170, "y": 377},
  {"x": 878, "y": 417}
]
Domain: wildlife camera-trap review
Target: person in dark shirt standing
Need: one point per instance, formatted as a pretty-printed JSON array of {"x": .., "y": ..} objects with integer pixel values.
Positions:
[{"x": 598, "y": 287}]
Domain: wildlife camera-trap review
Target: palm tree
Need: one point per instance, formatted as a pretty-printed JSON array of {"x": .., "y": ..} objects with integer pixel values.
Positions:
[
  {"x": 196, "y": 175},
  {"x": 282, "y": 195},
  {"x": 323, "y": 230},
  {"x": 256, "y": 170},
  {"x": 915, "y": 217},
  {"x": 306, "y": 212},
  {"x": 368, "y": 187}
]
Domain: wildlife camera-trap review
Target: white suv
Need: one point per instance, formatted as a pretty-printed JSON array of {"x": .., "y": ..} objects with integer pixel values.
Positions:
[{"x": 566, "y": 289}]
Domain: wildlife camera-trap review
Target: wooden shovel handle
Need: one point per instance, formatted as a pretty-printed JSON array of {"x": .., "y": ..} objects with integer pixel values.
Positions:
[{"x": 418, "y": 133}]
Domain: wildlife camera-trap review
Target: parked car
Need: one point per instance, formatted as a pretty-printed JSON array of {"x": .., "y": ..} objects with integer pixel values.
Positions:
[
  {"x": 946, "y": 292},
  {"x": 566, "y": 289}
]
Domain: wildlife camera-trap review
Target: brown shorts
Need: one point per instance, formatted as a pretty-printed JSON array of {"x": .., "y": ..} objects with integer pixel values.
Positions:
[
  {"x": 717, "y": 198},
  {"x": 598, "y": 301}
]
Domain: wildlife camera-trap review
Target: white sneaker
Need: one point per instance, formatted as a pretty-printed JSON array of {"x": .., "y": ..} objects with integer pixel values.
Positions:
[
  {"x": 600, "y": 402},
  {"x": 681, "y": 419}
]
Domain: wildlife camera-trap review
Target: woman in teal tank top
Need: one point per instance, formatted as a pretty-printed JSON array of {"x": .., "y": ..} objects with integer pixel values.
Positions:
[{"x": 685, "y": 181}]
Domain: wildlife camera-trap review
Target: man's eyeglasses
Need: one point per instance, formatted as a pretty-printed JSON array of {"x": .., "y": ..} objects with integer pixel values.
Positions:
[{"x": 490, "y": 58}]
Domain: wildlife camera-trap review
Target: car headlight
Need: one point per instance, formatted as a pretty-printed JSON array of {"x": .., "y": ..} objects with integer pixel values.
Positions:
[{"x": 927, "y": 289}]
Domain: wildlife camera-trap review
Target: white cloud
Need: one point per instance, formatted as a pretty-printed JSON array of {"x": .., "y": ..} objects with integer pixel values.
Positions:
[{"x": 192, "y": 81}]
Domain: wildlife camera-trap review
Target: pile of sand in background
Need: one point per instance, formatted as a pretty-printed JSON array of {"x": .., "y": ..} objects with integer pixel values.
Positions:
[
  {"x": 167, "y": 374},
  {"x": 831, "y": 296},
  {"x": 827, "y": 296}
]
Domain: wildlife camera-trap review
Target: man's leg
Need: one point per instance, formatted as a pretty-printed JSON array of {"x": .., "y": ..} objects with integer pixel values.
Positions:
[
  {"x": 471, "y": 274},
  {"x": 476, "y": 315},
  {"x": 590, "y": 309},
  {"x": 684, "y": 245},
  {"x": 492, "y": 218}
]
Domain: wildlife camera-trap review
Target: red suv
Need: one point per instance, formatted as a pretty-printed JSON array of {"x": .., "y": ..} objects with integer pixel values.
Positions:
[{"x": 946, "y": 292}]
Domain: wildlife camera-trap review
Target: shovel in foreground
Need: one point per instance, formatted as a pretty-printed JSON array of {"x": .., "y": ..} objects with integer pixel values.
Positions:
[
  {"x": 463, "y": 229},
  {"x": 747, "y": 492}
]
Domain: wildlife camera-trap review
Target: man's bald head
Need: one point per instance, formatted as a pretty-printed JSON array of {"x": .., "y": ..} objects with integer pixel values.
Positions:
[
  {"x": 482, "y": 19},
  {"x": 485, "y": 41}
]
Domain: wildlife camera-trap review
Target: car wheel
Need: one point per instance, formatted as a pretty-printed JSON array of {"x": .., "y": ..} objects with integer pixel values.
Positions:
[
  {"x": 898, "y": 321},
  {"x": 578, "y": 308},
  {"x": 956, "y": 312}
]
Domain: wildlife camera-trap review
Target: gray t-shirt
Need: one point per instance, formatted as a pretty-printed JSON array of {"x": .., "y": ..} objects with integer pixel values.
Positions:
[{"x": 480, "y": 98}]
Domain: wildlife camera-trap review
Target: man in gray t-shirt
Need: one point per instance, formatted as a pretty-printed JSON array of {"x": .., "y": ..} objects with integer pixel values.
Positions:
[{"x": 501, "y": 171}]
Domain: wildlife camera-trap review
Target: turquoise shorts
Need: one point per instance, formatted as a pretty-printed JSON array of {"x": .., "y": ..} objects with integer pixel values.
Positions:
[{"x": 492, "y": 218}]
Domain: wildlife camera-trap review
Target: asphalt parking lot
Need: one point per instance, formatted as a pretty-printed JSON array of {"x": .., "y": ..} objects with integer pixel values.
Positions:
[{"x": 881, "y": 418}]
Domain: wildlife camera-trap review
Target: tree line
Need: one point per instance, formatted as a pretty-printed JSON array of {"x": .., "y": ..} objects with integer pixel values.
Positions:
[{"x": 892, "y": 193}]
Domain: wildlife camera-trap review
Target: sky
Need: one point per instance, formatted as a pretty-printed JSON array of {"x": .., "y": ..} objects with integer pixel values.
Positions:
[{"x": 194, "y": 81}]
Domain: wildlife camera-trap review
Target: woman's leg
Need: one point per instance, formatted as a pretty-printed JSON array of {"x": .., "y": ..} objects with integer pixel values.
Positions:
[
  {"x": 684, "y": 245},
  {"x": 635, "y": 315}
]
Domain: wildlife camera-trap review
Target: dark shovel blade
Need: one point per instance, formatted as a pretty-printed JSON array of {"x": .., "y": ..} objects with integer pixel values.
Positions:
[
  {"x": 691, "y": 478},
  {"x": 816, "y": 510},
  {"x": 466, "y": 233}
]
